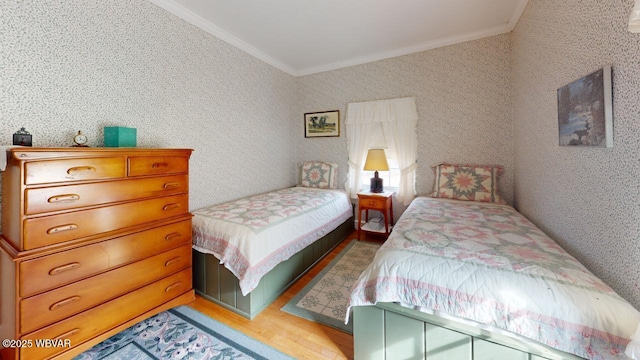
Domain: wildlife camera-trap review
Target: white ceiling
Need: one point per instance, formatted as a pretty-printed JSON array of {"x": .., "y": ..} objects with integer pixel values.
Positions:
[{"x": 303, "y": 37}]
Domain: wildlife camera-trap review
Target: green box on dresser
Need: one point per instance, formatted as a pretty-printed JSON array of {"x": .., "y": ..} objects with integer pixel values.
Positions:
[{"x": 118, "y": 136}]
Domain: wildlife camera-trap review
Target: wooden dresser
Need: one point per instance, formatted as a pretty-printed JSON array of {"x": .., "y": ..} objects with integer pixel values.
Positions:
[{"x": 93, "y": 241}]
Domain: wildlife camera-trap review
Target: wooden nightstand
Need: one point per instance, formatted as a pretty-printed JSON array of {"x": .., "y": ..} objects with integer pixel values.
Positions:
[{"x": 375, "y": 201}]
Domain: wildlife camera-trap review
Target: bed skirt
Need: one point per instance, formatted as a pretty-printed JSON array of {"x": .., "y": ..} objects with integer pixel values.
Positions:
[
  {"x": 389, "y": 331},
  {"x": 216, "y": 283}
]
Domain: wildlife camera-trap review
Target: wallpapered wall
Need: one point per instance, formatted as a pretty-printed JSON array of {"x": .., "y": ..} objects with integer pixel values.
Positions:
[
  {"x": 82, "y": 65},
  {"x": 85, "y": 65},
  {"x": 463, "y": 97},
  {"x": 585, "y": 198}
]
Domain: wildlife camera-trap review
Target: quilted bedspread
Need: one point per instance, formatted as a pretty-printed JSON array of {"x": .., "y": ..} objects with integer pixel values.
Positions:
[
  {"x": 489, "y": 264},
  {"x": 251, "y": 236}
]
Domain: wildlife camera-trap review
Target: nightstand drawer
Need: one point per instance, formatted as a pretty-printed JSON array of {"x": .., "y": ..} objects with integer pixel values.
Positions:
[{"x": 374, "y": 203}]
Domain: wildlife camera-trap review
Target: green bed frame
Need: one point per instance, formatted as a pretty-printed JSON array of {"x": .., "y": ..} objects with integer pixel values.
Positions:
[
  {"x": 389, "y": 331},
  {"x": 216, "y": 283}
]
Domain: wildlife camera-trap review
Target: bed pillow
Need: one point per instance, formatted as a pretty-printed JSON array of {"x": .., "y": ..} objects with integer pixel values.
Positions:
[
  {"x": 468, "y": 182},
  {"x": 319, "y": 174}
]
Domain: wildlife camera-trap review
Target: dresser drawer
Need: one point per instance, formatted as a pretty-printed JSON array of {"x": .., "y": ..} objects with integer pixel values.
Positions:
[
  {"x": 58, "y": 269},
  {"x": 86, "y": 325},
  {"x": 54, "y": 229},
  {"x": 51, "y": 306},
  {"x": 52, "y": 171},
  {"x": 41, "y": 200},
  {"x": 156, "y": 165}
]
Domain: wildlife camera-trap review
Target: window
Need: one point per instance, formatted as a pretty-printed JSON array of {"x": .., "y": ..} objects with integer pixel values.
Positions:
[{"x": 388, "y": 124}]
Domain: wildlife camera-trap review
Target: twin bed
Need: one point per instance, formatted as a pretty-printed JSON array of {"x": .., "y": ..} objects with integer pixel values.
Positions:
[
  {"x": 462, "y": 275},
  {"x": 247, "y": 252}
]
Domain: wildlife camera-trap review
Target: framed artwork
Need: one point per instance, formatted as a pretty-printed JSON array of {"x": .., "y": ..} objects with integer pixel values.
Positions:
[
  {"x": 585, "y": 115},
  {"x": 322, "y": 124}
]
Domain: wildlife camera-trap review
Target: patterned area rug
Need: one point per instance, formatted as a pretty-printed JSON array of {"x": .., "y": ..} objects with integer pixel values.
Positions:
[
  {"x": 180, "y": 333},
  {"x": 325, "y": 298}
]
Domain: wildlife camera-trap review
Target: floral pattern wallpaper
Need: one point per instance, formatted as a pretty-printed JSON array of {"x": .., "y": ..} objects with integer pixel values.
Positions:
[
  {"x": 585, "y": 198},
  {"x": 83, "y": 65},
  {"x": 462, "y": 94}
]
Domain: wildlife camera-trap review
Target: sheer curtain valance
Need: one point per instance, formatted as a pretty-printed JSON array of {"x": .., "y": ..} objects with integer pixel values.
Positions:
[{"x": 396, "y": 120}]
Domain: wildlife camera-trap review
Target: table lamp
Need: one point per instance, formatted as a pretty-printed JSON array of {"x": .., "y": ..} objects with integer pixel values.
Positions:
[{"x": 376, "y": 161}]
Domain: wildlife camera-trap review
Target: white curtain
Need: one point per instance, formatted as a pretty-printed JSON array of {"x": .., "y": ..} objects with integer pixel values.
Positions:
[{"x": 397, "y": 119}]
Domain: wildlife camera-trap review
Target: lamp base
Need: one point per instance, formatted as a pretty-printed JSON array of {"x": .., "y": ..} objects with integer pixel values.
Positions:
[{"x": 376, "y": 185}]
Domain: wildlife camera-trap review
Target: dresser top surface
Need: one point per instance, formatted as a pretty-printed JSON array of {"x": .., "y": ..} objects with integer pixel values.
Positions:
[{"x": 31, "y": 153}]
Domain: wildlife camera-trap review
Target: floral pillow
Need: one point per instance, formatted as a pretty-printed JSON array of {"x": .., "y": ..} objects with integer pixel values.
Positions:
[
  {"x": 468, "y": 182},
  {"x": 318, "y": 174}
]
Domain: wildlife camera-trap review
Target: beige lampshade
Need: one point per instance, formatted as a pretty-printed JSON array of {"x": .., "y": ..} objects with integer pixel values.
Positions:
[{"x": 376, "y": 160}]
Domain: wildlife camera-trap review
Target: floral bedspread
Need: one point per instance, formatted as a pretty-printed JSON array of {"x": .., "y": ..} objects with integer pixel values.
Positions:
[
  {"x": 489, "y": 264},
  {"x": 251, "y": 236}
]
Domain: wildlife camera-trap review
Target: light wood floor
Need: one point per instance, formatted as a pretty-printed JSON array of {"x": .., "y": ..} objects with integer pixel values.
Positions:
[{"x": 297, "y": 337}]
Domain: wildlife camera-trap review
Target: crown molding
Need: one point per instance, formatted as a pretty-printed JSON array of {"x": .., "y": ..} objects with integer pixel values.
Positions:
[
  {"x": 517, "y": 13},
  {"x": 429, "y": 45},
  {"x": 195, "y": 19}
]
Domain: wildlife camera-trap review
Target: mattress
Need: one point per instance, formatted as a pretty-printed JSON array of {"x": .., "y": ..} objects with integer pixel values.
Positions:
[
  {"x": 488, "y": 264},
  {"x": 251, "y": 236}
]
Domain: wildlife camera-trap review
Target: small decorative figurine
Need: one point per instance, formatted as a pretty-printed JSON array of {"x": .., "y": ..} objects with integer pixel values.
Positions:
[{"x": 22, "y": 137}]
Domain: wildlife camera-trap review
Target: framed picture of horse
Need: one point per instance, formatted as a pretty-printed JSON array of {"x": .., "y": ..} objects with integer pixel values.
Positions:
[{"x": 322, "y": 124}]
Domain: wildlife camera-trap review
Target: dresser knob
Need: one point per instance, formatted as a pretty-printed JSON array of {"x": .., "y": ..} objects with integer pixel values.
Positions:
[
  {"x": 173, "y": 286},
  {"x": 170, "y": 207},
  {"x": 79, "y": 169},
  {"x": 172, "y": 261},
  {"x": 65, "y": 197},
  {"x": 171, "y": 185},
  {"x": 172, "y": 236},
  {"x": 67, "y": 334},
  {"x": 57, "y": 229},
  {"x": 159, "y": 165},
  {"x": 64, "y": 302},
  {"x": 63, "y": 268}
]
